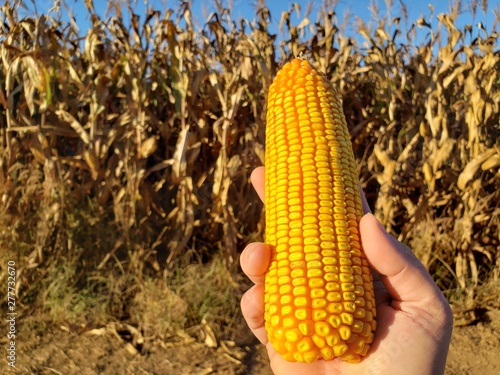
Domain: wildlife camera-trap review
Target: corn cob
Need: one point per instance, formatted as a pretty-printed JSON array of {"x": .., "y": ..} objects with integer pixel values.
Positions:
[{"x": 319, "y": 297}]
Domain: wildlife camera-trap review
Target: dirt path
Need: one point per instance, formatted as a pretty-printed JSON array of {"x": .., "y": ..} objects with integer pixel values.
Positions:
[{"x": 475, "y": 349}]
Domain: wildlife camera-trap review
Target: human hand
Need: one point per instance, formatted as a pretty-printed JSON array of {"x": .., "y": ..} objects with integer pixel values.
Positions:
[{"x": 414, "y": 319}]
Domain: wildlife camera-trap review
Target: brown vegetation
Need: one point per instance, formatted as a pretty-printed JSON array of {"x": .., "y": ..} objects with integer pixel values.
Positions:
[{"x": 125, "y": 156}]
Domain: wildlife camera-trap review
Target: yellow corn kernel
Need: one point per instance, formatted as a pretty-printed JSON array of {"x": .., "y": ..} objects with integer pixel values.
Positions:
[{"x": 319, "y": 299}]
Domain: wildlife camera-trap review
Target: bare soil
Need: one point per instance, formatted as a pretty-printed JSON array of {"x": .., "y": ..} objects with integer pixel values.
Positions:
[{"x": 475, "y": 349}]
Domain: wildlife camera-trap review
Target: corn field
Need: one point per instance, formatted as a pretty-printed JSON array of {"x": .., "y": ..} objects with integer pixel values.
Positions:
[{"x": 134, "y": 143}]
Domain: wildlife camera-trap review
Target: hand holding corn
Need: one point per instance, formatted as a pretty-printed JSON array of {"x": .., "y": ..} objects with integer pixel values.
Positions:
[
  {"x": 414, "y": 320},
  {"x": 319, "y": 295}
]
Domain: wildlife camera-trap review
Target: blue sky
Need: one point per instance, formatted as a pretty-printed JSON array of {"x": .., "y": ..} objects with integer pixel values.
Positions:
[{"x": 246, "y": 9}]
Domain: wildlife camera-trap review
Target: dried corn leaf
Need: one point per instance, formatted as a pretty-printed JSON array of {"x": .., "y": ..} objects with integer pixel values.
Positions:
[
  {"x": 38, "y": 154},
  {"x": 492, "y": 162},
  {"x": 472, "y": 167},
  {"x": 148, "y": 147},
  {"x": 77, "y": 127}
]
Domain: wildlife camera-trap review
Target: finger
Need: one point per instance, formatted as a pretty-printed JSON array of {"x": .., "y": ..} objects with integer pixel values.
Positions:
[
  {"x": 252, "y": 307},
  {"x": 367, "y": 210},
  {"x": 257, "y": 178},
  {"x": 403, "y": 275},
  {"x": 254, "y": 261}
]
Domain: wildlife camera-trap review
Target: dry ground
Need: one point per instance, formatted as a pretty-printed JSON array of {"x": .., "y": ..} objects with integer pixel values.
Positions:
[{"x": 111, "y": 350}]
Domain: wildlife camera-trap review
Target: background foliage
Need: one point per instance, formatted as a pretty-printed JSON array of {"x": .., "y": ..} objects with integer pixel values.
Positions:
[{"x": 125, "y": 154}]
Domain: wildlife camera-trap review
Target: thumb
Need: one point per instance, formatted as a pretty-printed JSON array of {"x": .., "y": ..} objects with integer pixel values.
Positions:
[{"x": 404, "y": 277}]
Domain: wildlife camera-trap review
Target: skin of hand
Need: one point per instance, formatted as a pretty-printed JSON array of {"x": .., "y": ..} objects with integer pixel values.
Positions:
[{"x": 414, "y": 319}]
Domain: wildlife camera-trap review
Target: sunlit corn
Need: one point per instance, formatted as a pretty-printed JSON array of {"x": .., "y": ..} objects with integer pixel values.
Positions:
[{"x": 319, "y": 297}]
